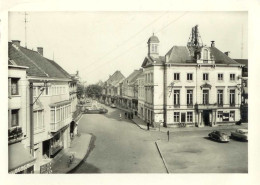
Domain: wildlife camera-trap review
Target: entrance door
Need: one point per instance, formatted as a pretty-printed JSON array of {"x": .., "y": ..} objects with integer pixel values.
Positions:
[
  {"x": 183, "y": 117},
  {"x": 206, "y": 119}
]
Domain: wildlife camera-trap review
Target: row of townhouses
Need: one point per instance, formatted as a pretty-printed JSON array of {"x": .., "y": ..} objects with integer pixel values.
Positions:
[
  {"x": 42, "y": 109},
  {"x": 192, "y": 85}
]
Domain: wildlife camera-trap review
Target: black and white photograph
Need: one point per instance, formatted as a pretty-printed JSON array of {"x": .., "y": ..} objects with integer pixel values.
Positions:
[{"x": 127, "y": 93}]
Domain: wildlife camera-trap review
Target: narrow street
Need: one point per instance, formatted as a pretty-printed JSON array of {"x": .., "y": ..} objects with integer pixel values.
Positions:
[{"x": 119, "y": 146}]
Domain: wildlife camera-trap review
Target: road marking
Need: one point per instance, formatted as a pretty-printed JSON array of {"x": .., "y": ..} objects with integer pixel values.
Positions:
[{"x": 164, "y": 162}]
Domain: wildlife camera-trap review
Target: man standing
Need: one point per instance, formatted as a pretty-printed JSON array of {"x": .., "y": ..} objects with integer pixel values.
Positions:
[{"x": 148, "y": 125}]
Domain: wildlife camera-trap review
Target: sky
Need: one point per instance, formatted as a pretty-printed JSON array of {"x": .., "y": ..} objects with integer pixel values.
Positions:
[{"x": 99, "y": 43}]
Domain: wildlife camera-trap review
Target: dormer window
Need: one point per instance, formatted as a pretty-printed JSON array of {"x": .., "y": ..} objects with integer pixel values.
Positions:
[{"x": 205, "y": 54}]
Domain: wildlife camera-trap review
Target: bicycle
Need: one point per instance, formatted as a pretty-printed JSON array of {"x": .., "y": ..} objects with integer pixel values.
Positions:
[
  {"x": 181, "y": 125},
  {"x": 70, "y": 160}
]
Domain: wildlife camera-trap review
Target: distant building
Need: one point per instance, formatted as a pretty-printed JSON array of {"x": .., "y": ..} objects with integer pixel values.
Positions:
[
  {"x": 129, "y": 98},
  {"x": 196, "y": 85},
  {"x": 54, "y": 102},
  {"x": 111, "y": 88}
]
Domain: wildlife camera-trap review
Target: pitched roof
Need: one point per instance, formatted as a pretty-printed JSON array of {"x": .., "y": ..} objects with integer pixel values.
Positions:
[
  {"x": 242, "y": 61},
  {"x": 133, "y": 76},
  {"x": 149, "y": 60},
  {"x": 117, "y": 77},
  {"x": 183, "y": 54},
  {"x": 39, "y": 66}
]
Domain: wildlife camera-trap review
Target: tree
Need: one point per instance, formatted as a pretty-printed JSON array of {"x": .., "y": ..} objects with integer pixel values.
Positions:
[
  {"x": 94, "y": 91},
  {"x": 80, "y": 90}
]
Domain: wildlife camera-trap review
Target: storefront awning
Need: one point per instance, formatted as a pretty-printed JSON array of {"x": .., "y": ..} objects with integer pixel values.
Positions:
[{"x": 19, "y": 158}]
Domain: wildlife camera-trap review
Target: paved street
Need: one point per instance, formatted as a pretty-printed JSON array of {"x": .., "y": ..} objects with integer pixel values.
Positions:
[
  {"x": 122, "y": 147},
  {"x": 119, "y": 147}
]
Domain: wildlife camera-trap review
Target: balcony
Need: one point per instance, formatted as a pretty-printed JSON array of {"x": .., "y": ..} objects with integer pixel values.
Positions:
[
  {"x": 206, "y": 106},
  {"x": 60, "y": 124},
  {"x": 190, "y": 105},
  {"x": 15, "y": 134}
]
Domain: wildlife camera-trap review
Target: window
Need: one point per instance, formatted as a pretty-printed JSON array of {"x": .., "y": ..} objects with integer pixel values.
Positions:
[
  {"x": 176, "y": 97},
  {"x": 232, "y": 77},
  {"x": 205, "y": 97},
  {"x": 189, "y": 117},
  {"x": 232, "y": 116},
  {"x": 151, "y": 77},
  {"x": 205, "y": 54},
  {"x": 155, "y": 48},
  {"x": 220, "y": 116},
  {"x": 176, "y": 76},
  {"x": 14, "y": 86},
  {"x": 232, "y": 97},
  {"x": 152, "y": 48},
  {"x": 205, "y": 76},
  {"x": 38, "y": 120},
  {"x": 189, "y": 76},
  {"x": 220, "y": 76},
  {"x": 189, "y": 97},
  {"x": 14, "y": 117},
  {"x": 220, "y": 97},
  {"x": 176, "y": 117}
]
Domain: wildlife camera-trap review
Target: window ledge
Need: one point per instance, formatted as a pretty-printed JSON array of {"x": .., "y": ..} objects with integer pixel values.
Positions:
[{"x": 18, "y": 95}]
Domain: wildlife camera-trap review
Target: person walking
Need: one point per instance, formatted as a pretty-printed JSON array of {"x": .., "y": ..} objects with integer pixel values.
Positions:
[
  {"x": 125, "y": 115},
  {"x": 148, "y": 126},
  {"x": 120, "y": 116}
]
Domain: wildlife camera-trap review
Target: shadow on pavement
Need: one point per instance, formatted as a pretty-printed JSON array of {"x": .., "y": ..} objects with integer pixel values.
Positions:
[{"x": 83, "y": 166}]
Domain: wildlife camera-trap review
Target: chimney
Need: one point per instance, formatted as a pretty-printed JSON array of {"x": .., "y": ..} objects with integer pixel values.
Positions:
[
  {"x": 227, "y": 53},
  {"x": 40, "y": 50},
  {"x": 212, "y": 43},
  {"x": 16, "y": 42}
]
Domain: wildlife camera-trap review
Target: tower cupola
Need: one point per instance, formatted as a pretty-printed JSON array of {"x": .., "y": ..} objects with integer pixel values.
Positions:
[{"x": 153, "y": 46}]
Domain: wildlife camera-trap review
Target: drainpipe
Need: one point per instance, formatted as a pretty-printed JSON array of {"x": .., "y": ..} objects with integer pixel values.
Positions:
[
  {"x": 31, "y": 118},
  {"x": 165, "y": 95}
]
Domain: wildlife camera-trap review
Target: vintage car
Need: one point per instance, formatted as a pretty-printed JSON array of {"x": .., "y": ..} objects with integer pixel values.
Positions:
[
  {"x": 240, "y": 134},
  {"x": 113, "y": 105},
  {"x": 219, "y": 136}
]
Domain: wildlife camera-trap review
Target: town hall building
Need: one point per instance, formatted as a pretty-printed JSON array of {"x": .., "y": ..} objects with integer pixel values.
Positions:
[{"x": 192, "y": 85}]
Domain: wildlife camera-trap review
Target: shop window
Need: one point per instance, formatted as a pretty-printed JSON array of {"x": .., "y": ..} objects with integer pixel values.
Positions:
[
  {"x": 176, "y": 117},
  {"x": 14, "y": 117},
  {"x": 232, "y": 116},
  {"x": 176, "y": 76},
  {"x": 220, "y": 116},
  {"x": 226, "y": 116},
  {"x": 189, "y": 117}
]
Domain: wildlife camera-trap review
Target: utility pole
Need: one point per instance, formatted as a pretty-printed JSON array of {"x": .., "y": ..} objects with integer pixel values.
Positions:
[
  {"x": 25, "y": 31},
  {"x": 31, "y": 118}
]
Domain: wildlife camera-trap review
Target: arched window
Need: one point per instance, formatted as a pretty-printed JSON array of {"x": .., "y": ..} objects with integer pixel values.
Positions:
[{"x": 205, "y": 54}]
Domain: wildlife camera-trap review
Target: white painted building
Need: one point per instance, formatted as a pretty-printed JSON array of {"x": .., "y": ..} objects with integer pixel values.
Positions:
[{"x": 193, "y": 85}]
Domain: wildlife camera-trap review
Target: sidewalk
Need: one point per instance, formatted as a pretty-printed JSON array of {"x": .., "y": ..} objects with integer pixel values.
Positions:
[
  {"x": 79, "y": 147},
  {"x": 141, "y": 124}
]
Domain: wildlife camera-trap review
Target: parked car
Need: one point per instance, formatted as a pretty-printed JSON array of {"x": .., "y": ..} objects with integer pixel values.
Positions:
[
  {"x": 240, "y": 134},
  {"x": 113, "y": 105},
  {"x": 219, "y": 136}
]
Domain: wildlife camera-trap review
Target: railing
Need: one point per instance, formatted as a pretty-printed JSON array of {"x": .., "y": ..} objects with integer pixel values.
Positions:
[
  {"x": 58, "y": 125},
  {"x": 15, "y": 134}
]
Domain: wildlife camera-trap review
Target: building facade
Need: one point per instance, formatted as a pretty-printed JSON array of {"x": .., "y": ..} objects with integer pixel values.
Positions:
[
  {"x": 191, "y": 85},
  {"x": 52, "y": 103}
]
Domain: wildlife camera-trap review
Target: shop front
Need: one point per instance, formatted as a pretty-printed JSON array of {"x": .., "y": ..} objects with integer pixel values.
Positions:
[{"x": 20, "y": 160}]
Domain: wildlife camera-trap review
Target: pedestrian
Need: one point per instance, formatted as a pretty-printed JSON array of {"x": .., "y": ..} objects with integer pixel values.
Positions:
[
  {"x": 125, "y": 115},
  {"x": 148, "y": 126},
  {"x": 120, "y": 116}
]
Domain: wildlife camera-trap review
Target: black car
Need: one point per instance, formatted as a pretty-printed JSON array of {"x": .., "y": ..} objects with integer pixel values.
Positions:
[{"x": 219, "y": 136}]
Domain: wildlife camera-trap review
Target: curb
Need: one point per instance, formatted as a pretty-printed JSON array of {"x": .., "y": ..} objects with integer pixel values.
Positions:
[
  {"x": 83, "y": 157},
  {"x": 164, "y": 162}
]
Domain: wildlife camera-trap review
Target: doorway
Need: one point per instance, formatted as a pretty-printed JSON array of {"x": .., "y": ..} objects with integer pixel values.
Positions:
[
  {"x": 46, "y": 148},
  {"x": 183, "y": 117},
  {"x": 206, "y": 119}
]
